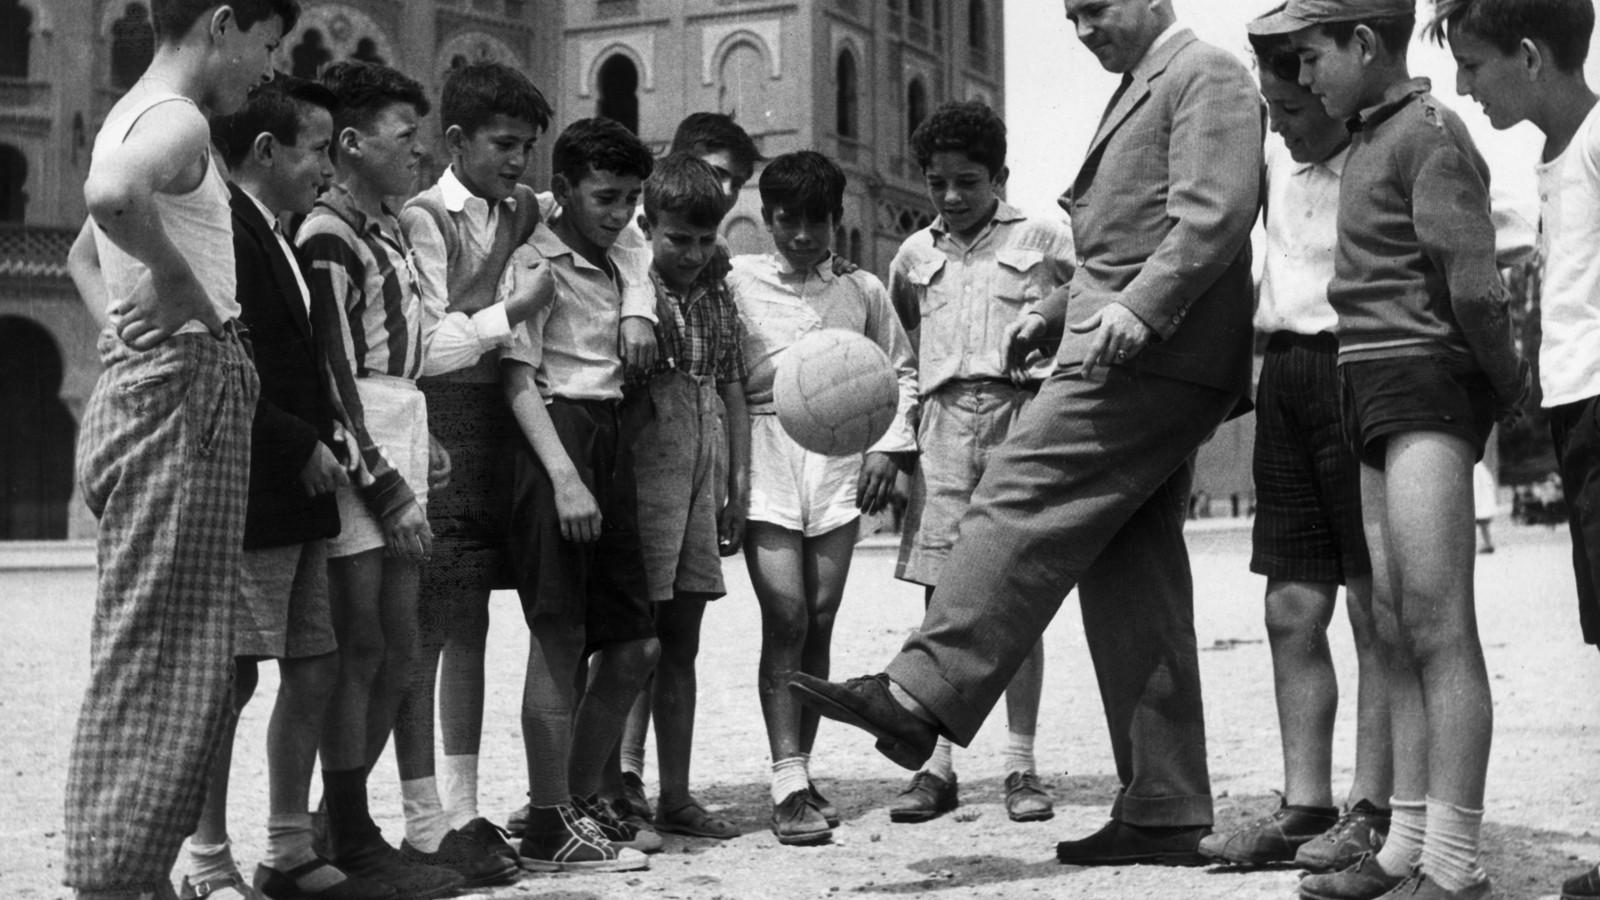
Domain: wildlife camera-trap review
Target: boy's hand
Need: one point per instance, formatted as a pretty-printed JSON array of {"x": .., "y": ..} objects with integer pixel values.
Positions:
[
  {"x": 842, "y": 266},
  {"x": 345, "y": 447},
  {"x": 579, "y": 514},
  {"x": 636, "y": 343},
  {"x": 720, "y": 264},
  {"x": 1023, "y": 336},
  {"x": 1508, "y": 404},
  {"x": 730, "y": 523},
  {"x": 323, "y": 473},
  {"x": 438, "y": 465},
  {"x": 1119, "y": 336},
  {"x": 875, "y": 486},
  {"x": 406, "y": 529},
  {"x": 162, "y": 305},
  {"x": 526, "y": 285}
]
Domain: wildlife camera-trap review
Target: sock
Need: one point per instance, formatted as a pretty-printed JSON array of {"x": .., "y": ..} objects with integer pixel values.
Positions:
[
  {"x": 1019, "y": 753},
  {"x": 910, "y": 703},
  {"x": 943, "y": 762},
  {"x": 426, "y": 824},
  {"x": 788, "y": 777},
  {"x": 289, "y": 846},
  {"x": 460, "y": 793},
  {"x": 1407, "y": 822},
  {"x": 1450, "y": 846},
  {"x": 209, "y": 861},
  {"x": 632, "y": 760},
  {"x": 805, "y": 760},
  {"x": 345, "y": 794}
]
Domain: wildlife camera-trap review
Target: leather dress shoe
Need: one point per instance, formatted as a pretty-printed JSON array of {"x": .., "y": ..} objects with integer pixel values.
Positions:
[
  {"x": 866, "y": 703},
  {"x": 928, "y": 797},
  {"x": 1121, "y": 844}
]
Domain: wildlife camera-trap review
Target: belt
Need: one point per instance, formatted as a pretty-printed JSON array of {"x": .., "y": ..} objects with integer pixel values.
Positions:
[{"x": 1289, "y": 340}]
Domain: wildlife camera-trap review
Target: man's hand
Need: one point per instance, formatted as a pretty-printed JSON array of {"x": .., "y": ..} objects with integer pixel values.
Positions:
[
  {"x": 162, "y": 305},
  {"x": 406, "y": 529},
  {"x": 1022, "y": 338},
  {"x": 323, "y": 473},
  {"x": 637, "y": 344},
  {"x": 730, "y": 522},
  {"x": 875, "y": 486},
  {"x": 842, "y": 266},
  {"x": 579, "y": 514},
  {"x": 1119, "y": 336},
  {"x": 438, "y": 465}
]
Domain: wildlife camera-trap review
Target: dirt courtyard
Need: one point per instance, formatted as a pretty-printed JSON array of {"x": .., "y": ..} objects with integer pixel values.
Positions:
[{"x": 1543, "y": 820}]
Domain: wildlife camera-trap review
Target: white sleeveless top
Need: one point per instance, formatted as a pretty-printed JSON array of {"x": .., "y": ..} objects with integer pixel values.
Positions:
[{"x": 199, "y": 223}]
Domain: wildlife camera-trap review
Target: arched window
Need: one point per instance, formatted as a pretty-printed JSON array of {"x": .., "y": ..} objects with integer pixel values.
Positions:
[
  {"x": 133, "y": 45},
  {"x": 36, "y": 434},
  {"x": 619, "y": 91},
  {"x": 742, "y": 88},
  {"x": 310, "y": 55},
  {"x": 367, "y": 51},
  {"x": 16, "y": 34},
  {"x": 841, "y": 242},
  {"x": 916, "y": 105},
  {"x": 858, "y": 249},
  {"x": 917, "y": 9},
  {"x": 847, "y": 96},
  {"x": 13, "y": 185},
  {"x": 938, "y": 14},
  {"x": 978, "y": 26}
]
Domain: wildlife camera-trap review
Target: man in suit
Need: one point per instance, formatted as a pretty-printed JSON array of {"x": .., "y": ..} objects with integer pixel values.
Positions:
[{"x": 1092, "y": 486}]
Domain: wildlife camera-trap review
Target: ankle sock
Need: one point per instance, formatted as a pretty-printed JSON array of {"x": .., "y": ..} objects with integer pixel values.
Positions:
[
  {"x": 942, "y": 763},
  {"x": 289, "y": 846},
  {"x": 632, "y": 760},
  {"x": 458, "y": 788},
  {"x": 208, "y": 862},
  {"x": 788, "y": 776},
  {"x": 1019, "y": 753},
  {"x": 1408, "y": 821},
  {"x": 1450, "y": 846},
  {"x": 426, "y": 823}
]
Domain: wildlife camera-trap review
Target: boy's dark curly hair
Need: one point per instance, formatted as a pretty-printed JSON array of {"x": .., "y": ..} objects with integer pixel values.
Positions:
[
  {"x": 803, "y": 182},
  {"x": 364, "y": 90},
  {"x": 969, "y": 127},
  {"x": 599, "y": 144},
  {"x": 475, "y": 93}
]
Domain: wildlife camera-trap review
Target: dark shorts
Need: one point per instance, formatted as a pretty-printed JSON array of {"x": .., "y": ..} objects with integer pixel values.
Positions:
[
  {"x": 468, "y": 516},
  {"x": 1575, "y": 429},
  {"x": 599, "y": 584},
  {"x": 1308, "y": 482},
  {"x": 1442, "y": 394}
]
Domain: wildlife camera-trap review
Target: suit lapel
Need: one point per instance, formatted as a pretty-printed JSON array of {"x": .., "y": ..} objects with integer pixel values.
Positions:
[
  {"x": 247, "y": 213},
  {"x": 1137, "y": 93}
]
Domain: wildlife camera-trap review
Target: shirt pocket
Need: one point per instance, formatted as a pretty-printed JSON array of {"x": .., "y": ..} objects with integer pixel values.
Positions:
[
  {"x": 1018, "y": 276},
  {"x": 923, "y": 276}
]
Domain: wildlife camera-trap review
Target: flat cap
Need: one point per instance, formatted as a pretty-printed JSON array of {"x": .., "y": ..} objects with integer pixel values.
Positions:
[{"x": 1298, "y": 14}]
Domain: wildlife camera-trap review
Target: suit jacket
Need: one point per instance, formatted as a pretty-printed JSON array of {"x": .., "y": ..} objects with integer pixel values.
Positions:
[
  {"x": 295, "y": 411},
  {"x": 1162, "y": 211}
]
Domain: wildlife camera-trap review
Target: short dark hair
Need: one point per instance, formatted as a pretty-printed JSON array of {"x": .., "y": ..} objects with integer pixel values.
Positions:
[
  {"x": 274, "y": 108},
  {"x": 685, "y": 185},
  {"x": 476, "y": 92},
  {"x": 1394, "y": 32},
  {"x": 1275, "y": 55},
  {"x": 969, "y": 127},
  {"x": 599, "y": 144},
  {"x": 710, "y": 132},
  {"x": 1563, "y": 25},
  {"x": 804, "y": 182},
  {"x": 364, "y": 90},
  {"x": 174, "y": 18}
]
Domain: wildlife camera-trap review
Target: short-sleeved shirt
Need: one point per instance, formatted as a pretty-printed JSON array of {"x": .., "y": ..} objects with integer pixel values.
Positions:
[
  {"x": 957, "y": 299},
  {"x": 698, "y": 331},
  {"x": 571, "y": 337},
  {"x": 1302, "y": 233}
]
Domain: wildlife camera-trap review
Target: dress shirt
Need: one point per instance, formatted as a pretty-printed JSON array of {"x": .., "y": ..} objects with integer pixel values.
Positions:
[
  {"x": 1302, "y": 232},
  {"x": 457, "y": 338}
]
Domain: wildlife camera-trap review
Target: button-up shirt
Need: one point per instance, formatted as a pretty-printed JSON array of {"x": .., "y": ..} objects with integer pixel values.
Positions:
[
  {"x": 1302, "y": 231},
  {"x": 698, "y": 331}
]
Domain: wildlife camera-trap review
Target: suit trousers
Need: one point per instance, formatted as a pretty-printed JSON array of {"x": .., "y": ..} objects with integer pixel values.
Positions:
[{"x": 1090, "y": 490}]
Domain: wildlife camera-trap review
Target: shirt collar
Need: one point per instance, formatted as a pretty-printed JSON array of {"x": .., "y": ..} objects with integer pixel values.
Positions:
[
  {"x": 823, "y": 269},
  {"x": 338, "y": 200},
  {"x": 1333, "y": 164},
  {"x": 1139, "y": 67},
  {"x": 1004, "y": 214},
  {"x": 455, "y": 194},
  {"x": 272, "y": 220},
  {"x": 550, "y": 246},
  {"x": 1395, "y": 96}
]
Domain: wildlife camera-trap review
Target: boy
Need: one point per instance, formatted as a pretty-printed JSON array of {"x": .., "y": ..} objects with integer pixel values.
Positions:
[
  {"x": 969, "y": 397},
  {"x": 463, "y": 230},
  {"x": 1524, "y": 61},
  {"x": 1307, "y": 539},
  {"x": 574, "y": 540},
  {"x": 804, "y": 507},
  {"x": 1427, "y": 364},
  {"x": 364, "y": 296},
  {"x": 163, "y": 453},
  {"x": 692, "y": 463},
  {"x": 276, "y": 149}
]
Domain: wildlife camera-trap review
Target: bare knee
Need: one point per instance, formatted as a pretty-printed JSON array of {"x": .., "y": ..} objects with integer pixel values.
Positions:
[
  {"x": 679, "y": 649},
  {"x": 310, "y": 680}
]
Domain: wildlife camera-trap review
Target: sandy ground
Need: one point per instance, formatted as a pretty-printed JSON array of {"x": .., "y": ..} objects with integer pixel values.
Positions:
[{"x": 1543, "y": 803}]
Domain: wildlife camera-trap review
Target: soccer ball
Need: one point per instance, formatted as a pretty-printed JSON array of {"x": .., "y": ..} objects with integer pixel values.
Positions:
[{"x": 835, "y": 392}]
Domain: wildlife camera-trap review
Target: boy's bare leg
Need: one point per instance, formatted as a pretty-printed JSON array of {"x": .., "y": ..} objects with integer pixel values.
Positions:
[
  {"x": 773, "y": 556},
  {"x": 305, "y": 689},
  {"x": 1026, "y": 798},
  {"x": 1373, "y": 778},
  {"x": 461, "y": 692},
  {"x": 672, "y": 696},
  {"x": 1307, "y": 691},
  {"x": 355, "y": 584},
  {"x": 616, "y": 674},
  {"x": 825, "y": 564},
  {"x": 549, "y": 699},
  {"x": 209, "y": 855}
]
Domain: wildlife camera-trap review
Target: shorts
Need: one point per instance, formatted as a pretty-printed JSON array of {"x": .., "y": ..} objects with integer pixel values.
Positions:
[
  {"x": 284, "y": 611},
  {"x": 1308, "y": 481},
  {"x": 468, "y": 516},
  {"x": 681, "y": 471},
  {"x": 1395, "y": 395},
  {"x": 396, "y": 416},
  {"x": 599, "y": 584},
  {"x": 1575, "y": 429},
  {"x": 962, "y": 423},
  {"x": 793, "y": 488}
]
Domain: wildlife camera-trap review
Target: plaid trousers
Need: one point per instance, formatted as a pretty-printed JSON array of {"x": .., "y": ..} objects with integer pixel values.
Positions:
[{"x": 163, "y": 459}]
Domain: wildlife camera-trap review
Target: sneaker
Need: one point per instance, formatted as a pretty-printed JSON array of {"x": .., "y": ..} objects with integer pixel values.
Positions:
[
  {"x": 613, "y": 829},
  {"x": 796, "y": 822},
  {"x": 276, "y": 885},
  {"x": 480, "y": 867},
  {"x": 376, "y": 860},
  {"x": 1365, "y": 880},
  {"x": 1026, "y": 798},
  {"x": 1359, "y": 831},
  {"x": 575, "y": 845},
  {"x": 1582, "y": 887},
  {"x": 227, "y": 887},
  {"x": 1270, "y": 839},
  {"x": 927, "y": 797},
  {"x": 490, "y": 837},
  {"x": 633, "y": 804},
  {"x": 1420, "y": 887},
  {"x": 821, "y": 804}
]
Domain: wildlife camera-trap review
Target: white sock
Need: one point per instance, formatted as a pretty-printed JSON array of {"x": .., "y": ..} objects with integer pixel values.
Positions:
[
  {"x": 460, "y": 792},
  {"x": 1019, "y": 753},
  {"x": 788, "y": 776},
  {"x": 1408, "y": 820},
  {"x": 806, "y": 759},
  {"x": 289, "y": 846},
  {"x": 632, "y": 760},
  {"x": 1450, "y": 847},
  {"x": 209, "y": 861},
  {"x": 426, "y": 824},
  {"x": 942, "y": 763}
]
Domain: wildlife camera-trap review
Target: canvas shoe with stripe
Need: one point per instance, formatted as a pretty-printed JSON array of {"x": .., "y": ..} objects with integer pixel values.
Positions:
[{"x": 562, "y": 840}]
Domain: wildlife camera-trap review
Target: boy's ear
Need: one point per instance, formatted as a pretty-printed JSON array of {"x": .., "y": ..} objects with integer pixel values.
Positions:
[
  {"x": 1368, "y": 45},
  {"x": 263, "y": 147},
  {"x": 349, "y": 141},
  {"x": 644, "y": 224},
  {"x": 1002, "y": 176},
  {"x": 1534, "y": 56},
  {"x": 560, "y": 188},
  {"x": 455, "y": 139},
  {"x": 222, "y": 19}
]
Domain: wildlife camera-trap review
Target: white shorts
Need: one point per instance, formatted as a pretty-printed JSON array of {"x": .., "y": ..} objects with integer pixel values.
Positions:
[
  {"x": 397, "y": 419},
  {"x": 793, "y": 488}
]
